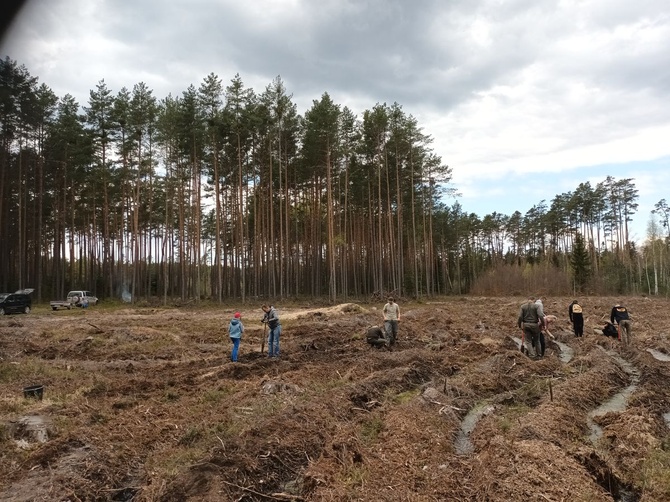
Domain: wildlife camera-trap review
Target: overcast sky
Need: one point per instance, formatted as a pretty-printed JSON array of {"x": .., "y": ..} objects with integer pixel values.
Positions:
[{"x": 524, "y": 99}]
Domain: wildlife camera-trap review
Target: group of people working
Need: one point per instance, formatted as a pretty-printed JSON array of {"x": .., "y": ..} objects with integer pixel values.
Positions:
[
  {"x": 377, "y": 337},
  {"x": 534, "y": 324},
  {"x": 532, "y": 320},
  {"x": 619, "y": 325},
  {"x": 270, "y": 320}
]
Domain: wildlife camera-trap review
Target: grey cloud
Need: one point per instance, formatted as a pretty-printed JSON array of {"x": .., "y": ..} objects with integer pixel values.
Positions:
[{"x": 429, "y": 56}]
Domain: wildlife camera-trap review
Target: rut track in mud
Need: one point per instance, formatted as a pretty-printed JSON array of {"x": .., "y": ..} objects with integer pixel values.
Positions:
[{"x": 144, "y": 405}]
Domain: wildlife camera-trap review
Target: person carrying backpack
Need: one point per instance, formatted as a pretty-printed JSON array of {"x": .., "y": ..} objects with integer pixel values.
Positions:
[
  {"x": 575, "y": 312},
  {"x": 235, "y": 330},
  {"x": 272, "y": 320},
  {"x": 620, "y": 317}
]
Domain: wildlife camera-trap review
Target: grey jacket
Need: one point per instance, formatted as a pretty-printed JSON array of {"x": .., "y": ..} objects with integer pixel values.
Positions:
[{"x": 529, "y": 314}]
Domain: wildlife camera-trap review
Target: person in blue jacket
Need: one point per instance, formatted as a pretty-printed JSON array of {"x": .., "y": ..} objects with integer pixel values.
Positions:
[{"x": 235, "y": 330}]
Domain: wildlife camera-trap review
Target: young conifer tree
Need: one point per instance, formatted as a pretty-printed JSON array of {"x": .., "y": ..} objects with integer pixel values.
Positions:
[{"x": 580, "y": 263}]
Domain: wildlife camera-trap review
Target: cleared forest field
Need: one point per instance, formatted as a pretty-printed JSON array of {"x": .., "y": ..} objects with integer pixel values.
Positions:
[{"x": 142, "y": 403}]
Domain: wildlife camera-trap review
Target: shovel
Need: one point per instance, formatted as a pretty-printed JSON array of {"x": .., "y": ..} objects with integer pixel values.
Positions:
[
  {"x": 523, "y": 342},
  {"x": 265, "y": 327}
]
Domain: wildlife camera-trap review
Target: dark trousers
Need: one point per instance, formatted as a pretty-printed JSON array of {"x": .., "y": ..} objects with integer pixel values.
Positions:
[
  {"x": 391, "y": 328},
  {"x": 578, "y": 324},
  {"x": 531, "y": 334},
  {"x": 624, "y": 331}
]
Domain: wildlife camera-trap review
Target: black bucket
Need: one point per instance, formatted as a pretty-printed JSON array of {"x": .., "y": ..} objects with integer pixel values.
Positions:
[{"x": 36, "y": 391}]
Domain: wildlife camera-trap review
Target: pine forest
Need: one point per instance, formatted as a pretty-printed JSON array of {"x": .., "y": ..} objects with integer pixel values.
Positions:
[{"x": 226, "y": 192}]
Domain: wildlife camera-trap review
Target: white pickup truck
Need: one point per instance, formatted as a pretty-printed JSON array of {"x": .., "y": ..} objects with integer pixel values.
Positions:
[{"x": 78, "y": 298}]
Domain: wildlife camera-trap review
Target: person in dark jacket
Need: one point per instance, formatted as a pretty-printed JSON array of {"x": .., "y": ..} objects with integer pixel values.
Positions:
[
  {"x": 610, "y": 330},
  {"x": 235, "y": 330},
  {"x": 575, "y": 312},
  {"x": 620, "y": 317},
  {"x": 272, "y": 320},
  {"x": 375, "y": 337},
  {"x": 529, "y": 320}
]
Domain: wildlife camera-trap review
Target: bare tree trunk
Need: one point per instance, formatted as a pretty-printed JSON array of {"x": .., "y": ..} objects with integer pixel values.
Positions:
[
  {"x": 392, "y": 255},
  {"x": 20, "y": 213},
  {"x": 399, "y": 231},
  {"x": 348, "y": 240},
  {"x": 272, "y": 267},
  {"x": 182, "y": 234},
  {"x": 135, "y": 243},
  {"x": 380, "y": 218},
  {"x": 217, "y": 216},
  {"x": 332, "y": 278},
  {"x": 240, "y": 222},
  {"x": 197, "y": 220},
  {"x": 282, "y": 252},
  {"x": 39, "y": 244}
]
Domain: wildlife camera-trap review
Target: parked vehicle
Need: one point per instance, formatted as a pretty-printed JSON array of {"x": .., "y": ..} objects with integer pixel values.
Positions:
[
  {"x": 81, "y": 298},
  {"x": 60, "y": 304},
  {"x": 19, "y": 302},
  {"x": 78, "y": 298}
]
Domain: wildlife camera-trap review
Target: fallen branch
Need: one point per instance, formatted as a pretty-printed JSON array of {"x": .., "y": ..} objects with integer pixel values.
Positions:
[
  {"x": 123, "y": 488},
  {"x": 274, "y": 496},
  {"x": 442, "y": 410},
  {"x": 99, "y": 330},
  {"x": 222, "y": 444}
]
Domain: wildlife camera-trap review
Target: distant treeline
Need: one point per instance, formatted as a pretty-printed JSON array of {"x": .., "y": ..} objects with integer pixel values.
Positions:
[{"x": 224, "y": 192}]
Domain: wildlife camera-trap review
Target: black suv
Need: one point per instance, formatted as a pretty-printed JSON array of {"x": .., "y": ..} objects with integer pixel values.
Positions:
[{"x": 16, "y": 302}]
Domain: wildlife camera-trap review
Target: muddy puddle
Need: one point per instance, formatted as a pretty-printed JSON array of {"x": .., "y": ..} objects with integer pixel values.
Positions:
[
  {"x": 659, "y": 356},
  {"x": 566, "y": 354},
  {"x": 616, "y": 403},
  {"x": 462, "y": 444}
]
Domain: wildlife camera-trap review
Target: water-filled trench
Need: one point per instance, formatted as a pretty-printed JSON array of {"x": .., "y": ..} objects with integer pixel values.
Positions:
[{"x": 616, "y": 403}]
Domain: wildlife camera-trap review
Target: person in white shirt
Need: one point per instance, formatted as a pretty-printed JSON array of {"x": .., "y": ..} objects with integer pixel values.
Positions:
[{"x": 391, "y": 319}]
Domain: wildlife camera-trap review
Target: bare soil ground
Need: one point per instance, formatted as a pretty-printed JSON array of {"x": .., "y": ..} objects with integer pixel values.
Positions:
[{"x": 144, "y": 404}]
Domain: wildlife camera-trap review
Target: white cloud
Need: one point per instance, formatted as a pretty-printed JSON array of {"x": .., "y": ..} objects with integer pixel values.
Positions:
[{"x": 505, "y": 88}]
